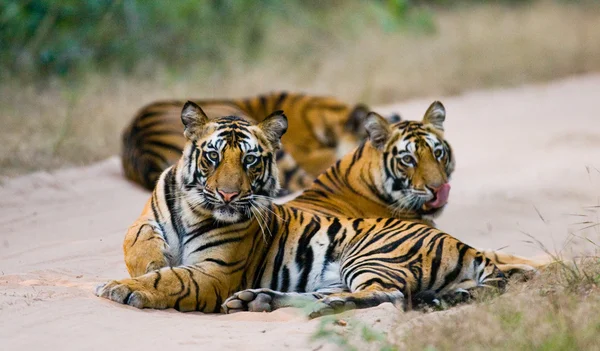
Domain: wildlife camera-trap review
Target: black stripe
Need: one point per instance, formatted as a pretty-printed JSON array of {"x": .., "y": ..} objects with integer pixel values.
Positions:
[
  {"x": 137, "y": 235},
  {"x": 279, "y": 257},
  {"x": 436, "y": 263},
  {"x": 218, "y": 242},
  {"x": 181, "y": 283},
  {"x": 157, "y": 280},
  {"x": 204, "y": 226},
  {"x": 170, "y": 193},
  {"x": 304, "y": 253},
  {"x": 223, "y": 263},
  {"x": 450, "y": 277},
  {"x": 158, "y": 217},
  {"x": 285, "y": 279},
  {"x": 187, "y": 289},
  {"x": 155, "y": 154}
]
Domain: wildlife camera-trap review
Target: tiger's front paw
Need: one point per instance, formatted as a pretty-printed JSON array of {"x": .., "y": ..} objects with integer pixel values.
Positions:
[
  {"x": 124, "y": 292},
  {"x": 252, "y": 300}
]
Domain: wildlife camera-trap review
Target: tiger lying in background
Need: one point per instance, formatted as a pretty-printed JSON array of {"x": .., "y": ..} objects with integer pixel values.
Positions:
[
  {"x": 402, "y": 172},
  {"x": 324, "y": 128},
  {"x": 210, "y": 229}
]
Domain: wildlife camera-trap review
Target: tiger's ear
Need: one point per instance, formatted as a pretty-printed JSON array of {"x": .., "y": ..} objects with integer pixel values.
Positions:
[
  {"x": 378, "y": 129},
  {"x": 193, "y": 119},
  {"x": 435, "y": 115},
  {"x": 274, "y": 126},
  {"x": 356, "y": 119}
]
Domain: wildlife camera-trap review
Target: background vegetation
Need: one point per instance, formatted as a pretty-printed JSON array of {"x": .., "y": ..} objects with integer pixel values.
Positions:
[
  {"x": 73, "y": 72},
  {"x": 62, "y": 37}
]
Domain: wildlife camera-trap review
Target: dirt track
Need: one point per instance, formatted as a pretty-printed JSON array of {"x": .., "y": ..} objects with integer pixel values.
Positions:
[{"x": 527, "y": 160}]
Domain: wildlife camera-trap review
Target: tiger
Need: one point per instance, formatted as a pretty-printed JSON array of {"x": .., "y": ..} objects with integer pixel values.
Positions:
[
  {"x": 402, "y": 170},
  {"x": 210, "y": 231},
  {"x": 324, "y": 130}
]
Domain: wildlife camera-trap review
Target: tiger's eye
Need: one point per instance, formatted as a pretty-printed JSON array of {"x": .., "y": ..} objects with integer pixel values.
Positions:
[
  {"x": 438, "y": 153},
  {"x": 250, "y": 159},
  {"x": 213, "y": 156},
  {"x": 408, "y": 159}
]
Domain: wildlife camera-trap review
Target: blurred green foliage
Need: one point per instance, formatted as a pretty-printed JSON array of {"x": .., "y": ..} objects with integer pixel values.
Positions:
[{"x": 60, "y": 37}]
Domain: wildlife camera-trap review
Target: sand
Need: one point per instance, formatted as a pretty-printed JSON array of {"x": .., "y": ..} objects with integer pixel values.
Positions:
[{"x": 528, "y": 160}]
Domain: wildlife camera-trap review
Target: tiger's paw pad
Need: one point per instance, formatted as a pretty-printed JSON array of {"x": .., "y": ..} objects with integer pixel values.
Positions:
[{"x": 252, "y": 300}]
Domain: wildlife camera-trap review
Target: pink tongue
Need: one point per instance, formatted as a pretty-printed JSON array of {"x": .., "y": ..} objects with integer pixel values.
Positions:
[{"x": 441, "y": 196}]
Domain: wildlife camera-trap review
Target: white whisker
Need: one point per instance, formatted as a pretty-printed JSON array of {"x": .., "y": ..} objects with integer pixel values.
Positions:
[{"x": 262, "y": 230}]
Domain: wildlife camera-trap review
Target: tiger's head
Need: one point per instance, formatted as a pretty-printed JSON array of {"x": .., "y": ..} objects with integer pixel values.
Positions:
[
  {"x": 416, "y": 161},
  {"x": 228, "y": 168}
]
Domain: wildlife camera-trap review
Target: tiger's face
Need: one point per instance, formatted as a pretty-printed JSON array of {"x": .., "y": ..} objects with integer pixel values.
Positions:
[
  {"x": 229, "y": 164},
  {"x": 417, "y": 161}
]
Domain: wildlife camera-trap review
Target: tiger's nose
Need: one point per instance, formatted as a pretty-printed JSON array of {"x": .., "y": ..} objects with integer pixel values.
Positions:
[{"x": 227, "y": 196}]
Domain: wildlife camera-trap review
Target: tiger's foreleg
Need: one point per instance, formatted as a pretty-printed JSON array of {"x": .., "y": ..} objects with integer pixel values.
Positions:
[
  {"x": 185, "y": 288},
  {"x": 144, "y": 248}
]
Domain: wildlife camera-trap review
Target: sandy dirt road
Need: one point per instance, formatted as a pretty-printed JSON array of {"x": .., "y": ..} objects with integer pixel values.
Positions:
[{"x": 523, "y": 154}]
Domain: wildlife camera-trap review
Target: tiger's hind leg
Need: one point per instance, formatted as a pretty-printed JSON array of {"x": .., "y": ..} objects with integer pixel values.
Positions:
[
  {"x": 267, "y": 300},
  {"x": 371, "y": 297},
  {"x": 492, "y": 280},
  {"x": 373, "y": 294}
]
